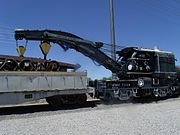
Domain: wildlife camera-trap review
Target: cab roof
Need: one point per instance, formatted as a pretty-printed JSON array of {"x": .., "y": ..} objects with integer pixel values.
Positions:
[{"x": 130, "y": 50}]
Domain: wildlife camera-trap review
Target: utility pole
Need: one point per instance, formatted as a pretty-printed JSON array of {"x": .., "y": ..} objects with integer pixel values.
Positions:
[{"x": 113, "y": 49}]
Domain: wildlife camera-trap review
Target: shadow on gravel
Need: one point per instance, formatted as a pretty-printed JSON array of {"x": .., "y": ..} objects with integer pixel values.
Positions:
[
  {"x": 42, "y": 108},
  {"x": 146, "y": 100},
  {"x": 115, "y": 101},
  {"x": 143, "y": 100},
  {"x": 89, "y": 104}
]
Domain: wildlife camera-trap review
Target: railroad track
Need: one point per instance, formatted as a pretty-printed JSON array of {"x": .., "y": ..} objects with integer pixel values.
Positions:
[{"x": 45, "y": 107}]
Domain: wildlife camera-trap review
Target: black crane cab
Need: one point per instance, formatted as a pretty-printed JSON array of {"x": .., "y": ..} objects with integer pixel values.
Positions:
[
  {"x": 142, "y": 61},
  {"x": 147, "y": 72}
]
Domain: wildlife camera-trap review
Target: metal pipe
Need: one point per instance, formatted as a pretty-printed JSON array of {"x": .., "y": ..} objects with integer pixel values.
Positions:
[{"x": 113, "y": 49}]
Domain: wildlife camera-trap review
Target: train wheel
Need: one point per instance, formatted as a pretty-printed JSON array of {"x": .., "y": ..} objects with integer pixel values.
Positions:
[
  {"x": 71, "y": 99},
  {"x": 81, "y": 98},
  {"x": 58, "y": 100},
  {"x": 54, "y": 101}
]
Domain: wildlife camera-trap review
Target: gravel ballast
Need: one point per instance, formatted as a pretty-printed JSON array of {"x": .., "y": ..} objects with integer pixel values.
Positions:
[{"x": 162, "y": 118}]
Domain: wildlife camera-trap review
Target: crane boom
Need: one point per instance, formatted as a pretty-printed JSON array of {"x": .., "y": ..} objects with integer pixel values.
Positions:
[{"x": 68, "y": 40}]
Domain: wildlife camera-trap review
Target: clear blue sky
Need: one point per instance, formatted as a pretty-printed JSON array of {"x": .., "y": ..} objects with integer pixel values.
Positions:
[{"x": 144, "y": 23}]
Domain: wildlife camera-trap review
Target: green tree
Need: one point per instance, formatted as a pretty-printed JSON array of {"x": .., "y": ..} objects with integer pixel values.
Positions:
[{"x": 106, "y": 78}]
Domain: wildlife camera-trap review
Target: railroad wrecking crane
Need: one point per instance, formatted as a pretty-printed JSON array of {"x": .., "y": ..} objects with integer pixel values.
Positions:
[{"x": 140, "y": 71}]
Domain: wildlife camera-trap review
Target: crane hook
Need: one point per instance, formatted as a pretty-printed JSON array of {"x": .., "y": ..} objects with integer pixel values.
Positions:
[{"x": 21, "y": 49}]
